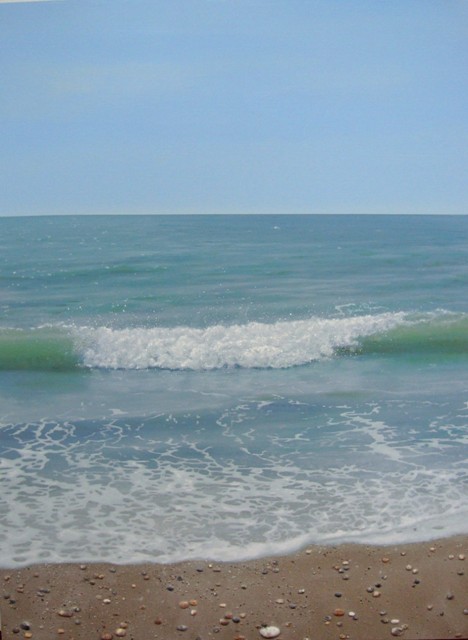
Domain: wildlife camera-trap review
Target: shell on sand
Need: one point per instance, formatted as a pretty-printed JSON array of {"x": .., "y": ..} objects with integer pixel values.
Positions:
[{"x": 269, "y": 632}]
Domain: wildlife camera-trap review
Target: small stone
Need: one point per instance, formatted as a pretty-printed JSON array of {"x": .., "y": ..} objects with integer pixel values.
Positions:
[
  {"x": 106, "y": 601},
  {"x": 430, "y": 607},
  {"x": 107, "y": 636},
  {"x": 338, "y": 594},
  {"x": 28, "y": 634},
  {"x": 193, "y": 603},
  {"x": 351, "y": 614},
  {"x": 450, "y": 596},
  {"x": 26, "y": 626},
  {"x": 65, "y": 613},
  {"x": 279, "y": 601},
  {"x": 183, "y": 604},
  {"x": 376, "y": 594},
  {"x": 157, "y": 621},
  {"x": 169, "y": 587},
  {"x": 395, "y": 621},
  {"x": 182, "y": 627},
  {"x": 120, "y": 632},
  {"x": 223, "y": 622},
  {"x": 451, "y": 556},
  {"x": 339, "y": 612},
  {"x": 461, "y": 556},
  {"x": 408, "y": 567},
  {"x": 193, "y": 612},
  {"x": 269, "y": 632},
  {"x": 301, "y": 591},
  {"x": 397, "y": 631},
  {"x": 465, "y": 611},
  {"x": 385, "y": 560}
]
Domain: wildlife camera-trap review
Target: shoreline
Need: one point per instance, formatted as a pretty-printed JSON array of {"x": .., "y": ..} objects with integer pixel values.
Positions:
[{"x": 415, "y": 590}]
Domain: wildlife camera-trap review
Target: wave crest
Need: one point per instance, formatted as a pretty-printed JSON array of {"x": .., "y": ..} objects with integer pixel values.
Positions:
[{"x": 254, "y": 345}]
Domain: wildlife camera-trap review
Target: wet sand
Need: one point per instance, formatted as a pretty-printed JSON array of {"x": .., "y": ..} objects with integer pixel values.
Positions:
[{"x": 349, "y": 591}]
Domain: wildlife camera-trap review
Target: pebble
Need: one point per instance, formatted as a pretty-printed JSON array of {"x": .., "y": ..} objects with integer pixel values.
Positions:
[
  {"x": 376, "y": 594},
  {"x": 26, "y": 626},
  {"x": 65, "y": 613},
  {"x": 183, "y": 604},
  {"x": 397, "y": 631},
  {"x": 461, "y": 556},
  {"x": 450, "y": 596},
  {"x": 120, "y": 633},
  {"x": 182, "y": 627},
  {"x": 465, "y": 611},
  {"x": 107, "y": 636},
  {"x": 339, "y": 612},
  {"x": 279, "y": 601},
  {"x": 270, "y": 632}
]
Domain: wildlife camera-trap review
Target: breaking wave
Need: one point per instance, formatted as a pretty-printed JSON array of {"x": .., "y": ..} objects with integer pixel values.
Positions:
[{"x": 278, "y": 345}]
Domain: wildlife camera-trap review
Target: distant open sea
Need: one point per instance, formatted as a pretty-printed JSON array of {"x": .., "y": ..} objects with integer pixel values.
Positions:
[{"x": 228, "y": 387}]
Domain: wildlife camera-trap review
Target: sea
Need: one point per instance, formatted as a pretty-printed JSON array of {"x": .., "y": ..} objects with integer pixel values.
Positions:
[{"x": 230, "y": 387}]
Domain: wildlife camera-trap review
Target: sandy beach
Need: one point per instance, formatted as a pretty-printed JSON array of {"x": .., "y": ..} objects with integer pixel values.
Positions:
[{"x": 349, "y": 591}]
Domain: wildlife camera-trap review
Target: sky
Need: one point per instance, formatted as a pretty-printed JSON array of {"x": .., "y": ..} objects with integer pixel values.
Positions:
[{"x": 233, "y": 106}]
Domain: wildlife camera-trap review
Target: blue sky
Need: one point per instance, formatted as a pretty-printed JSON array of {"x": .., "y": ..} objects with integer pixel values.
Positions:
[{"x": 234, "y": 106}]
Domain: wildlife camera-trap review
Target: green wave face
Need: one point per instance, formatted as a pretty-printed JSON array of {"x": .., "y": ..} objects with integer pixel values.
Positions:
[
  {"x": 36, "y": 350},
  {"x": 426, "y": 339}
]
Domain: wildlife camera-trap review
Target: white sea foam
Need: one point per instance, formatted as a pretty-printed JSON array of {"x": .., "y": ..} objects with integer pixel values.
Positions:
[
  {"x": 253, "y": 345},
  {"x": 170, "y": 488}
]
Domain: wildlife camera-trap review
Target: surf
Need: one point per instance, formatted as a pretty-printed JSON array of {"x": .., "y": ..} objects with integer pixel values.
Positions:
[{"x": 254, "y": 345}]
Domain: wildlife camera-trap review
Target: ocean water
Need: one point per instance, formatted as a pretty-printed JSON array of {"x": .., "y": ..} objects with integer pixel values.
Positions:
[{"x": 230, "y": 387}]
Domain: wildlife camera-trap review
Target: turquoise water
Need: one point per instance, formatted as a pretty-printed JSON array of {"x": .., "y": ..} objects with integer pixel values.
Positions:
[{"x": 228, "y": 387}]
